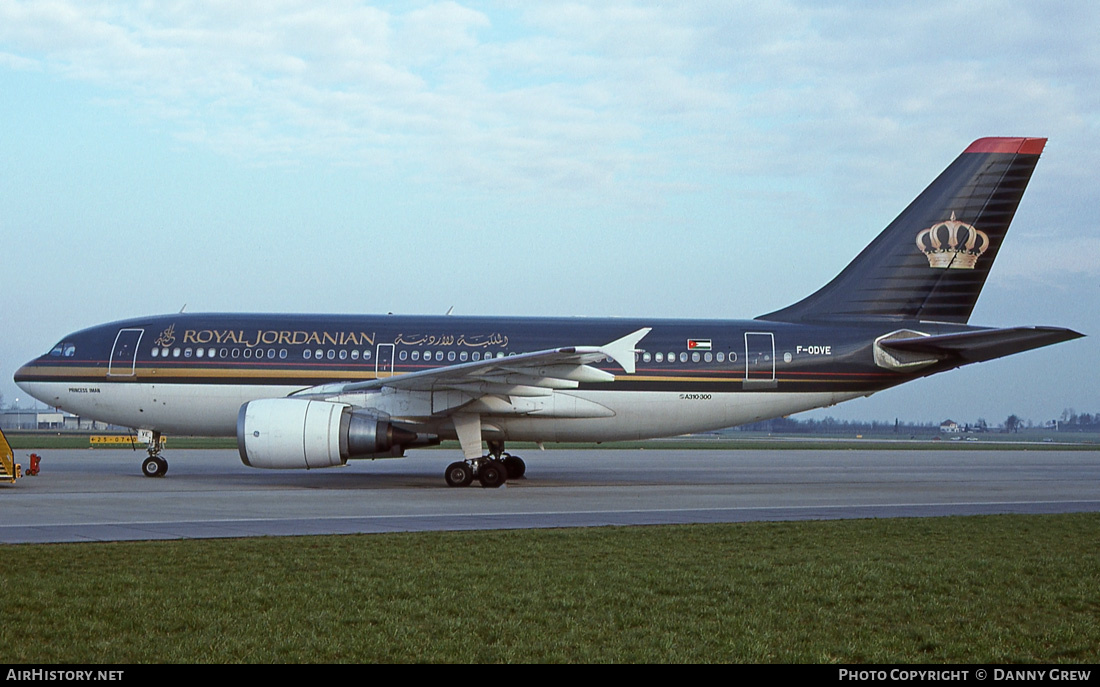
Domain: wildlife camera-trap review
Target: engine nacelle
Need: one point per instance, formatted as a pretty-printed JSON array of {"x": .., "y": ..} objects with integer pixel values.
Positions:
[{"x": 299, "y": 433}]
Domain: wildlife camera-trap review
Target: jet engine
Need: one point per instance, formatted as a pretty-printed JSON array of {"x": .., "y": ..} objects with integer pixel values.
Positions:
[{"x": 300, "y": 433}]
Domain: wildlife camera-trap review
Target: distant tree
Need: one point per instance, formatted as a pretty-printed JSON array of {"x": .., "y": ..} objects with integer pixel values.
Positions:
[{"x": 1012, "y": 424}]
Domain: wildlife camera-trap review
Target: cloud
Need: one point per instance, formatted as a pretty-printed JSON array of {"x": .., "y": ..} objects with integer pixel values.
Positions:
[
  {"x": 17, "y": 63},
  {"x": 423, "y": 88},
  {"x": 1048, "y": 260},
  {"x": 624, "y": 98}
]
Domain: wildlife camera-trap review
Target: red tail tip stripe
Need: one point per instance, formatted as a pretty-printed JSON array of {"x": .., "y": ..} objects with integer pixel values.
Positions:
[{"x": 1022, "y": 146}]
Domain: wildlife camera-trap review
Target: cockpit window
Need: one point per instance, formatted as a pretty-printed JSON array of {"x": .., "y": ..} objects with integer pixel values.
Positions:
[{"x": 64, "y": 350}]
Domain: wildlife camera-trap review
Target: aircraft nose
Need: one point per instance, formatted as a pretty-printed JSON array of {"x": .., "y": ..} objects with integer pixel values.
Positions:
[{"x": 24, "y": 377}]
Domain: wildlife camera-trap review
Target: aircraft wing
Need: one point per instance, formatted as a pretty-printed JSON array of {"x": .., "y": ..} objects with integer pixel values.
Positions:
[
  {"x": 985, "y": 344},
  {"x": 524, "y": 374}
]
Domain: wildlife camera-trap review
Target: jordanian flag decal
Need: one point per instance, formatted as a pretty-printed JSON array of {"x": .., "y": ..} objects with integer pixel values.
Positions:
[{"x": 698, "y": 344}]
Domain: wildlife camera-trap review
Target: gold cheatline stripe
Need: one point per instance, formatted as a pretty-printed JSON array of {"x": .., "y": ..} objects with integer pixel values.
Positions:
[{"x": 150, "y": 374}]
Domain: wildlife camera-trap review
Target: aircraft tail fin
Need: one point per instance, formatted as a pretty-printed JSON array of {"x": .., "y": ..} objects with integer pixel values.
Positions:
[{"x": 932, "y": 261}]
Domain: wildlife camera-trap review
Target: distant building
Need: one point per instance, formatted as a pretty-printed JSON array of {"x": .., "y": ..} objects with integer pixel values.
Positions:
[
  {"x": 16, "y": 418},
  {"x": 19, "y": 419},
  {"x": 950, "y": 426}
]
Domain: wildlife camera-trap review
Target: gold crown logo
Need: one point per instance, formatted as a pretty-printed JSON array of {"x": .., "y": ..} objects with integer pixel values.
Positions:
[{"x": 952, "y": 244}]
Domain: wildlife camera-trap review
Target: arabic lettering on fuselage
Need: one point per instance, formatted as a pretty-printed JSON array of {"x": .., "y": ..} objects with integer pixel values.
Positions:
[
  {"x": 468, "y": 340},
  {"x": 167, "y": 337},
  {"x": 270, "y": 337}
]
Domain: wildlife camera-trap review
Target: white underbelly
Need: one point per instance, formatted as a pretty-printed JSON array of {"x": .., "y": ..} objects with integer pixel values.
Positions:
[
  {"x": 202, "y": 409},
  {"x": 211, "y": 410},
  {"x": 651, "y": 414}
]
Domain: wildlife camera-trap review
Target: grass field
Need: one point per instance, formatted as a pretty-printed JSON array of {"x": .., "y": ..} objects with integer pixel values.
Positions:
[{"x": 976, "y": 589}]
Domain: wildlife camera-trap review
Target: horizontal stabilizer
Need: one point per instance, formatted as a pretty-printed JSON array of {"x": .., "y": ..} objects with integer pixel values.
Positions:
[{"x": 984, "y": 344}]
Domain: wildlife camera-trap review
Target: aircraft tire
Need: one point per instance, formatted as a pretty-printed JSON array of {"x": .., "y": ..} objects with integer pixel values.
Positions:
[
  {"x": 154, "y": 467},
  {"x": 459, "y": 475},
  {"x": 515, "y": 466},
  {"x": 492, "y": 474}
]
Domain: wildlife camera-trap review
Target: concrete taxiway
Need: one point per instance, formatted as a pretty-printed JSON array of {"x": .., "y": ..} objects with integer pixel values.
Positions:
[{"x": 100, "y": 495}]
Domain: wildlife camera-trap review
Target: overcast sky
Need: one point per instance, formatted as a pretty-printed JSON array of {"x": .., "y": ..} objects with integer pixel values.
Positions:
[{"x": 659, "y": 159}]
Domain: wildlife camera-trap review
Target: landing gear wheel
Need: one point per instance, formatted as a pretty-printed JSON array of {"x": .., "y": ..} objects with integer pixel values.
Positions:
[
  {"x": 459, "y": 475},
  {"x": 154, "y": 467},
  {"x": 492, "y": 474},
  {"x": 515, "y": 466}
]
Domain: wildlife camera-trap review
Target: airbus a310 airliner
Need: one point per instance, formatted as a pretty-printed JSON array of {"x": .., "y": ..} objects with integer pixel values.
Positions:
[{"x": 312, "y": 391}]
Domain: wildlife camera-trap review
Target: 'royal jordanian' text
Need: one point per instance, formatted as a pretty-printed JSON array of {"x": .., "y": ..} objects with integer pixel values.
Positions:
[{"x": 269, "y": 337}]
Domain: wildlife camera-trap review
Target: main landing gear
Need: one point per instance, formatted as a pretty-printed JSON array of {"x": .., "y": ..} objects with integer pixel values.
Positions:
[
  {"x": 154, "y": 465},
  {"x": 492, "y": 470}
]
